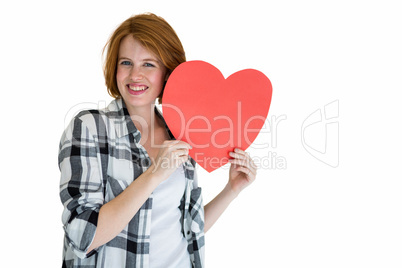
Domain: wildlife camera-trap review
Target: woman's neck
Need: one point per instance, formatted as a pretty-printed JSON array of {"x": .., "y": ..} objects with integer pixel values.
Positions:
[{"x": 144, "y": 118}]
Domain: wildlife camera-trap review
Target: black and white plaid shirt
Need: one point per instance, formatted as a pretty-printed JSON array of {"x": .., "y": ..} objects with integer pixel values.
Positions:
[{"x": 99, "y": 157}]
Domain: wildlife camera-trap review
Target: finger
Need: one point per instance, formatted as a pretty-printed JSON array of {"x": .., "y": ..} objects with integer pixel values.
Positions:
[
  {"x": 240, "y": 151},
  {"x": 252, "y": 164},
  {"x": 176, "y": 144},
  {"x": 243, "y": 164},
  {"x": 244, "y": 155},
  {"x": 181, "y": 159},
  {"x": 237, "y": 155},
  {"x": 182, "y": 151},
  {"x": 246, "y": 171},
  {"x": 239, "y": 162},
  {"x": 181, "y": 145},
  {"x": 245, "y": 159}
]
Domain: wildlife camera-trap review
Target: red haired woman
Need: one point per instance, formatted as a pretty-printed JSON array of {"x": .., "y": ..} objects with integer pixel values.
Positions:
[{"x": 129, "y": 189}]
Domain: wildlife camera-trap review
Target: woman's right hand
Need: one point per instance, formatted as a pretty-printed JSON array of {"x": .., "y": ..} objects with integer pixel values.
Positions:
[{"x": 171, "y": 155}]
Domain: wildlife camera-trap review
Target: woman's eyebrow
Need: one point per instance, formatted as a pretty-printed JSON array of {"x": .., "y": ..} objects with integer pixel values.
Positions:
[
  {"x": 125, "y": 58},
  {"x": 149, "y": 59}
]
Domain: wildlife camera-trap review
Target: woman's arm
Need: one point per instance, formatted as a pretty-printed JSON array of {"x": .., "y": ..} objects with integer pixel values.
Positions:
[
  {"x": 117, "y": 213},
  {"x": 214, "y": 209},
  {"x": 241, "y": 174}
]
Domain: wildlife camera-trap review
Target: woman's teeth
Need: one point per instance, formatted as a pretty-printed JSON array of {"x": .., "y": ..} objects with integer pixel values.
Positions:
[{"x": 134, "y": 88}]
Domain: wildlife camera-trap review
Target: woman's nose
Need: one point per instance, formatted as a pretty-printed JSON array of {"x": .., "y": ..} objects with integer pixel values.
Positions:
[{"x": 136, "y": 74}]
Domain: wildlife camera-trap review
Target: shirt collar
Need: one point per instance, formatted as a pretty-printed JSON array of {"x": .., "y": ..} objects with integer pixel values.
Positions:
[
  {"x": 159, "y": 114},
  {"x": 123, "y": 123}
]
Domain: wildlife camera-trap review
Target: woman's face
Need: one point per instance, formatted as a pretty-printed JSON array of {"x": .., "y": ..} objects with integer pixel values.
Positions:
[{"x": 140, "y": 75}]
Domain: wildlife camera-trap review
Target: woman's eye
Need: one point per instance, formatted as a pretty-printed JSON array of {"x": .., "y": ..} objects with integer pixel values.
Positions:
[
  {"x": 149, "y": 65},
  {"x": 125, "y": 62}
]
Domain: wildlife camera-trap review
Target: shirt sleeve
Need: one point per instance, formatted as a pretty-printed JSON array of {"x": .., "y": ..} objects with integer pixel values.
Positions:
[
  {"x": 81, "y": 184},
  {"x": 193, "y": 224}
]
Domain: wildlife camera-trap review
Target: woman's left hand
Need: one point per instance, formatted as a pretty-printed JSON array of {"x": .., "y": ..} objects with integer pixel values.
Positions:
[{"x": 242, "y": 170}]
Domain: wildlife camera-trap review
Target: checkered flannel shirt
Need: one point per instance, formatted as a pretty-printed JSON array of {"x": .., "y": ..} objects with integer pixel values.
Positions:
[{"x": 99, "y": 157}]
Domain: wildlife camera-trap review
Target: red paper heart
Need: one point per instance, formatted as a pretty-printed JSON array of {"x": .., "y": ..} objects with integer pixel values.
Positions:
[{"x": 214, "y": 114}]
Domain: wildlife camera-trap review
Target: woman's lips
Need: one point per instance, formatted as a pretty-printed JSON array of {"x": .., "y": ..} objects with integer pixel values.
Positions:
[{"x": 136, "y": 89}]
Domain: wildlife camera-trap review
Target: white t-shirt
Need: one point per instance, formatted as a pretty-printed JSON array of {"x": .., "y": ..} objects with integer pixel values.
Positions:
[{"x": 168, "y": 247}]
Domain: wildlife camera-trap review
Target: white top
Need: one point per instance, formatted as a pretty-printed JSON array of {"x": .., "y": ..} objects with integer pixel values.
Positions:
[{"x": 168, "y": 247}]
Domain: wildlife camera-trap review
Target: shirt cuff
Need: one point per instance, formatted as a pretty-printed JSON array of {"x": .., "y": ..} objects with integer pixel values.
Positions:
[{"x": 80, "y": 233}]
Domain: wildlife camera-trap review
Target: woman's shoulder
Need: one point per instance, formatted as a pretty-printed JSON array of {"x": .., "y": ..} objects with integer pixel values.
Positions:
[
  {"x": 99, "y": 119},
  {"x": 112, "y": 111}
]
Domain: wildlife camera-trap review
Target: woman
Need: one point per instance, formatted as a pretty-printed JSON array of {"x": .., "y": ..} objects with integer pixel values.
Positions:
[{"x": 129, "y": 188}]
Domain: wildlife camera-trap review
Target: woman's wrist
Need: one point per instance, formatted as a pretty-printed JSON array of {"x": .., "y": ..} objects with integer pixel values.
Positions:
[
  {"x": 154, "y": 175},
  {"x": 230, "y": 192}
]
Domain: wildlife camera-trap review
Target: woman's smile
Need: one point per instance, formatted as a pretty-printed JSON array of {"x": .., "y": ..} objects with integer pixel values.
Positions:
[{"x": 136, "y": 89}]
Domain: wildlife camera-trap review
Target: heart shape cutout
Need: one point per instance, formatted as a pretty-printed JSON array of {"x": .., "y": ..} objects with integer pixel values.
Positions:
[{"x": 213, "y": 114}]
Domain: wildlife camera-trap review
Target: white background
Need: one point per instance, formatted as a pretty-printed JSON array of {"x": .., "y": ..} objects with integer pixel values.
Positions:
[{"x": 315, "y": 52}]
